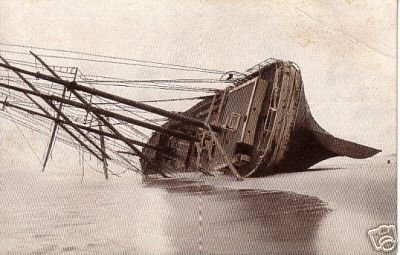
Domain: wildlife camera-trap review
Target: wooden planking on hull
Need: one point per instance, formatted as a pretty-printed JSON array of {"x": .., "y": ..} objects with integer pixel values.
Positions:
[
  {"x": 288, "y": 82},
  {"x": 266, "y": 127}
]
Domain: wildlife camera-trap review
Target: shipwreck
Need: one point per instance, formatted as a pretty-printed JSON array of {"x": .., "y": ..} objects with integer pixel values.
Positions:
[{"x": 260, "y": 124}]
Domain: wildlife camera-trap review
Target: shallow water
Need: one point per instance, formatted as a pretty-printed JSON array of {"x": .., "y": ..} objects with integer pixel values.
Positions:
[{"x": 283, "y": 214}]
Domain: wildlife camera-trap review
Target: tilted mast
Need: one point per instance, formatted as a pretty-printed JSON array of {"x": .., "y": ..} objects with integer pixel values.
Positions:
[{"x": 99, "y": 113}]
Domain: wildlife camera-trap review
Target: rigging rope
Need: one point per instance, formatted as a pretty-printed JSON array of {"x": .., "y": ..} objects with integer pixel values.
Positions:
[
  {"x": 26, "y": 140},
  {"x": 144, "y": 63},
  {"x": 173, "y": 99}
]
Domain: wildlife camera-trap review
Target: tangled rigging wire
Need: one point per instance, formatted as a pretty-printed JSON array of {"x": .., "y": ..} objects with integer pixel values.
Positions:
[{"x": 84, "y": 116}]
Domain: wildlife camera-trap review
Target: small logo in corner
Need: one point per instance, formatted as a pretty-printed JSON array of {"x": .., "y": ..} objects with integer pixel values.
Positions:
[{"x": 383, "y": 238}]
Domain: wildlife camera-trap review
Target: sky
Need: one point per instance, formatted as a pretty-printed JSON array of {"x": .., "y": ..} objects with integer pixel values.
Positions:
[{"x": 346, "y": 50}]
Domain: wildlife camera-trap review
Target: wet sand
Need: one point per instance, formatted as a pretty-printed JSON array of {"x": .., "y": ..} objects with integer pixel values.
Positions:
[
  {"x": 326, "y": 211},
  {"x": 242, "y": 221}
]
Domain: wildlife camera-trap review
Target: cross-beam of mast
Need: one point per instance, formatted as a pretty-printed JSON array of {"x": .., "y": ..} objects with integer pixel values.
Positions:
[
  {"x": 49, "y": 115},
  {"x": 61, "y": 114},
  {"x": 99, "y": 117},
  {"x": 89, "y": 129},
  {"x": 93, "y": 91}
]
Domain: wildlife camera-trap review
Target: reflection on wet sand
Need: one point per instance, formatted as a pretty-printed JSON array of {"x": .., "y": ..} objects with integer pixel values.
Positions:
[
  {"x": 58, "y": 214},
  {"x": 205, "y": 219}
]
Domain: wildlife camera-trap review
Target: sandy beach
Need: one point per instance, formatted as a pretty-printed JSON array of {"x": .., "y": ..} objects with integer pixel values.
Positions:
[{"x": 325, "y": 211}]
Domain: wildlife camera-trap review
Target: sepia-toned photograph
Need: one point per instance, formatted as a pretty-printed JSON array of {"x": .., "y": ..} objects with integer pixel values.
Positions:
[{"x": 198, "y": 127}]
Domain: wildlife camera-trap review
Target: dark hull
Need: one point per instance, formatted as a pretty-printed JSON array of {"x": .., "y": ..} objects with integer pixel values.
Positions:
[
  {"x": 308, "y": 145},
  {"x": 267, "y": 128}
]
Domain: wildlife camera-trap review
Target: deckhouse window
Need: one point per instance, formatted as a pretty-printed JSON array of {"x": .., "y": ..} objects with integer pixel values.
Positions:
[{"x": 232, "y": 122}]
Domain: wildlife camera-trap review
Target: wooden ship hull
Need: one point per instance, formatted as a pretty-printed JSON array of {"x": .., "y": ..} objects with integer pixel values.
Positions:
[{"x": 265, "y": 127}]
